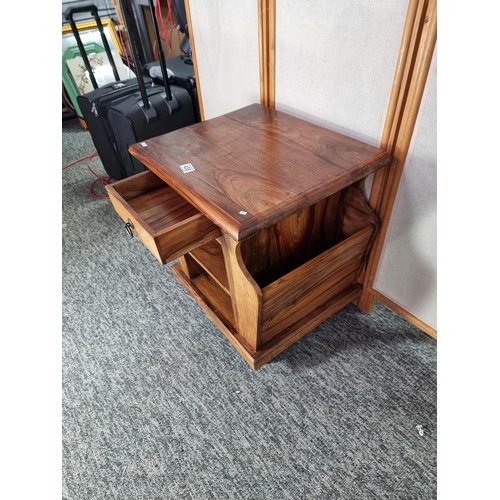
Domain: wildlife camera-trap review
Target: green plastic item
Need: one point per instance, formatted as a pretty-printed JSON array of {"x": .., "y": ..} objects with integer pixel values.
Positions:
[{"x": 67, "y": 79}]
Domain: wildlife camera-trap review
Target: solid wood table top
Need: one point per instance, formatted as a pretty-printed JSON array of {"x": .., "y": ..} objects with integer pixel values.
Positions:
[{"x": 256, "y": 165}]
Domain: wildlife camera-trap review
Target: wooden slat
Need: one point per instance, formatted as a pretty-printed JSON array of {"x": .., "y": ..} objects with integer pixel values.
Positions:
[{"x": 429, "y": 330}]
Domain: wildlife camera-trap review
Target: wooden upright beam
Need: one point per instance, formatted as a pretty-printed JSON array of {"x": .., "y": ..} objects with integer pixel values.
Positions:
[
  {"x": 267, "y": 51},
  {"x": 194, "y": 58},
  {"x": 416, "y": 50}
]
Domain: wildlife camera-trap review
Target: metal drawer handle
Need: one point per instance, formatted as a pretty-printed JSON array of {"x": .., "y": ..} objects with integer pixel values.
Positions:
[{"x": 129, "y": 225}]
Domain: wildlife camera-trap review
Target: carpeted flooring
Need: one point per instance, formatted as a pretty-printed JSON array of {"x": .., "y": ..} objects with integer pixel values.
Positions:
[{"x": 157, "y": 404}]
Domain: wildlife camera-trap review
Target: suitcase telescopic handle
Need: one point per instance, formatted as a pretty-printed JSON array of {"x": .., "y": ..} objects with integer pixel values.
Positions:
[
  {"x": 161, "y": 56},
  {"x": 92, "y": 9},
  {"x": 81, "y": 9},
  {"x": 132, "y": 36}
]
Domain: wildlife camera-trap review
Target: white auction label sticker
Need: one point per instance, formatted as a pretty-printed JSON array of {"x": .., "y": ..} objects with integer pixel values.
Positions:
[
  {"x": 187, "y": 167},
  {"x": 242, "y": 212},
  {"x": 144, "y": 144}
]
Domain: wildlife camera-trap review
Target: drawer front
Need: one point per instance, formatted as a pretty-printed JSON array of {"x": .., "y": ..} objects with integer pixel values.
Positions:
[{"x": 162, "y": 220}]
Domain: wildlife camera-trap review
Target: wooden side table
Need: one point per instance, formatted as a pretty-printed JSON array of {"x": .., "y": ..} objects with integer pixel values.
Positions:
[{"x": 266, "y": 217}]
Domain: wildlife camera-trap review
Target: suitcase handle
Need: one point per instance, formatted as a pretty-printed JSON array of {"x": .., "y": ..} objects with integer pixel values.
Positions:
[
  {"x": 161, "y": 56},
  {"x": 94, "y": 12},
  {"x": 132, "y": 36},
  {"x": 148, "y": 110},
  {"x": 80, "y": 10}
]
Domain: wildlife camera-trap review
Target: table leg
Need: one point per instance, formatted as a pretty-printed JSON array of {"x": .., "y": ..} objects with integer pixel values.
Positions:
[{"x": 246, "y": 296}]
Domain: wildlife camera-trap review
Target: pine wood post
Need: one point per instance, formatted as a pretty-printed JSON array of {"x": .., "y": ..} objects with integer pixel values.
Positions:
[
  {"x": 417, "y": 47},
  {"x": 195, "y": 60},
  {"x": 267, "y": 51}
]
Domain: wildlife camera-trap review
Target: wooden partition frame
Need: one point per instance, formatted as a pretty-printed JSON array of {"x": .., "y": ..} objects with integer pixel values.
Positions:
[{"x": 415, "y": 55}]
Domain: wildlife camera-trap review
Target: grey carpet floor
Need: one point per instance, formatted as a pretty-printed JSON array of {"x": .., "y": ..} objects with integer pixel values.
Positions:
[{"x": 157, "y": 404}]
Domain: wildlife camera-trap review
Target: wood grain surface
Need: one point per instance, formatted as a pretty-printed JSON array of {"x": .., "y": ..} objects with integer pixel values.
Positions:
[
  {"x": 211, "y": 259},
  {"x": 256, "y": 165},
  {"x": 164, "y": 221},
  {"x": 286, "y": 228}
]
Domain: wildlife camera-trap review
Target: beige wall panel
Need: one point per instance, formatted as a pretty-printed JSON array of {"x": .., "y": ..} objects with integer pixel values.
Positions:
[
  {"x": 227, "y": 50},
  {"x": 335, "y": 62}
]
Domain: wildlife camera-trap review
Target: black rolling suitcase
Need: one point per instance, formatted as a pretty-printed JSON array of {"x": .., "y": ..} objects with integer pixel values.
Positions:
[
  {"x": 182, "y": 74},
  {"x": 93, "y": 105},
  {"x": 151, "y": 112}
]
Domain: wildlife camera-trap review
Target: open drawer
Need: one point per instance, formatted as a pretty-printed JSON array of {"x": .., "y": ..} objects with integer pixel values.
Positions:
[{"x": 167, "y": 224}]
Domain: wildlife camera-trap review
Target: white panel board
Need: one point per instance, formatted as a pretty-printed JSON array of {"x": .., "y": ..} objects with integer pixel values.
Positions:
[
  {"x": 226, "y": 36},
  {"x": 407, "y": 269},
  {"x": 335, "y": 62}
]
